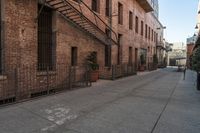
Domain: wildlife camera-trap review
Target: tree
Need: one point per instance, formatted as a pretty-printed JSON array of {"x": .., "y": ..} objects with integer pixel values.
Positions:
[
  {"x": 196, "y": 65},
  {"x": 196, "y": 60},
  {"x": 92, "y": 61}
]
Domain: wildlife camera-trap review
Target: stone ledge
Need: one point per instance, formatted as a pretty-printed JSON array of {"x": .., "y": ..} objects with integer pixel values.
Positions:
[{"x": 45, "y": 73}]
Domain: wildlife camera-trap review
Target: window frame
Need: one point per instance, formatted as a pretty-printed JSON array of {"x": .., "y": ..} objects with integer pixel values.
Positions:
[
  {"x": 136, "y": 24},
  {"x": 74, "y": 56},
  {"x": 130, "y": 20},
  {"x": 95, "y": 5},
  {"x": 107, "y": 9},
  {"x": 120, "y": 13},
  {"x": 46, "y": 40},
  {"x": 142, "y": 28},
  {"x": 130, "y": 55}
]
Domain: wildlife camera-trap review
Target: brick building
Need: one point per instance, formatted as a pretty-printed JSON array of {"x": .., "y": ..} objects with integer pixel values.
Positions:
[
  {"x": 42, "y": 41},
  {"x": 190, "y": 47}
]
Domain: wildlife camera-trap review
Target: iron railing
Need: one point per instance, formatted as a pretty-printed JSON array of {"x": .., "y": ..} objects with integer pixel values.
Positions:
[
  {"x": 117, "y": 71},
  {"x": 26, "y": 82},
  {"x": 84, "y": 17},
  {"x": 152, "y": 66}
]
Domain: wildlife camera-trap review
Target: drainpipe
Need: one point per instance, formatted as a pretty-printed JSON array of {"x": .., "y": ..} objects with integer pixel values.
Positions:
[
  {"x": 110, "y": 13},
  {"x": 2, "y": 34},
  {"x": 110, "y": 25}
]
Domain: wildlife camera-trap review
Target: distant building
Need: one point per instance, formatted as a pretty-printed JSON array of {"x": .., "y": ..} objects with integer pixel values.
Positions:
[
  {"x": 178, "y": 54},
  {"x": 168, "y": 48}
]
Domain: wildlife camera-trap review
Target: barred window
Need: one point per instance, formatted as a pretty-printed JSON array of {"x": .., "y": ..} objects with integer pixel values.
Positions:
[
  {"x": 45, "y": 39},
  {"x": 74, "y": 53}
]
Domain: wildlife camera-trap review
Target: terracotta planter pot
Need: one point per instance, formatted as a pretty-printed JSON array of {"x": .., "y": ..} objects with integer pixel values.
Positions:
[{"x": 94, "y": 75}]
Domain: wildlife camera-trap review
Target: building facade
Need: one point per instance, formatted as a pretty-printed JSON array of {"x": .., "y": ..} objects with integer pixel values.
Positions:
[
  {"x": 190, "y": 46},
  {"x": 197, "y": 37},
  {"x": 178, "y": 54},
  {"x": 43, "y": 41}
]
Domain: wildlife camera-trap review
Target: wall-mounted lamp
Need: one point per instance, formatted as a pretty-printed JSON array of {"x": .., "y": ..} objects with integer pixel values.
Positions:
[{"x": 196, "y": 27}]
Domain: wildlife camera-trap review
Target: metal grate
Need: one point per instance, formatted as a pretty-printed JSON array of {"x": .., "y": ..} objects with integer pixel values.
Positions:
[
  {"x": 7, "y": 101},
  {"x": 25, "y": 82},
  {"x": 117, "y": 71},
  {"x": 45, "y": 42}
]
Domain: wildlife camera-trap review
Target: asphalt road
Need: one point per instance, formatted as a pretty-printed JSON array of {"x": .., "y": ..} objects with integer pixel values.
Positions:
[{"x": 156, "y": 102}]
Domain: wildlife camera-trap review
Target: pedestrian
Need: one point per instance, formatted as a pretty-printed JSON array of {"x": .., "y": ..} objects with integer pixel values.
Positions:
[{"x": 184, "y": 72}]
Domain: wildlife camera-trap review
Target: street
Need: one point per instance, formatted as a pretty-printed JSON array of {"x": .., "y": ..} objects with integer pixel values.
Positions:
[{"x": 156, "y": 102}]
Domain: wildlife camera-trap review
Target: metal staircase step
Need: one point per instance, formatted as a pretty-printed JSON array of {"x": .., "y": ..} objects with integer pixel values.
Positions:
[{"x": 67, "y": 9}]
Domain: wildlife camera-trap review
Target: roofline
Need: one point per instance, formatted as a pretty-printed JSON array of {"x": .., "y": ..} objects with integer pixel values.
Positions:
[{"x": 157, "y": 19}]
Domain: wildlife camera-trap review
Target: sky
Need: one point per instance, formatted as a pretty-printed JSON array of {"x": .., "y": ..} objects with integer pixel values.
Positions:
[{"x": 180, "y": 18}]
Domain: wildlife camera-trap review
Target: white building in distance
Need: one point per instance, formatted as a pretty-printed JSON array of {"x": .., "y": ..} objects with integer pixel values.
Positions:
[{"x": 178, "y": 54}]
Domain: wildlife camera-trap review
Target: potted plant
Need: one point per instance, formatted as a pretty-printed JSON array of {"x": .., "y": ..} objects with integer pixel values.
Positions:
[
  {"x": 196, "y": 65},
  {"x": 143, "y": 62},
  {"x": 155, "y": 61},
  {"x": 93, "y": 66}
]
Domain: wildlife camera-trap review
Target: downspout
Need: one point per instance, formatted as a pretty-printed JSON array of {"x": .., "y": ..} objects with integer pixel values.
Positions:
[
  {"x": 2, "y": 25},
  {"x": 110, "y": 25}
]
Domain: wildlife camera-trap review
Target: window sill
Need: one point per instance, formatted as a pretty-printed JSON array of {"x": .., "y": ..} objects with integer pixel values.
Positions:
[
  {"x": 97, "y": 13},
  {"x": 46, "y": 73}
]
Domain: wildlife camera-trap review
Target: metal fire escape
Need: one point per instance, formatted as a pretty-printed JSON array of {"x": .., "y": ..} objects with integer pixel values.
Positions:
[{"x": 85, "y": 18}]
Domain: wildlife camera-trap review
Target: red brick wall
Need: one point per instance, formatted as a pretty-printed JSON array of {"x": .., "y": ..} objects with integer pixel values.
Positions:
[
  {"x": 21, "y": 39},
  {"x": 130, "y": 38},
  {"x": 21, "y": 33},
  {"x": 189, "y": 53},
  {"x": 21, "y": 48}
]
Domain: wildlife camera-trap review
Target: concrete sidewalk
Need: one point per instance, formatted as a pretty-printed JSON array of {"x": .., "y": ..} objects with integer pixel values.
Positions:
[
  {"x": 159, "y": 102},
  {"x": 182, "y": 114}
]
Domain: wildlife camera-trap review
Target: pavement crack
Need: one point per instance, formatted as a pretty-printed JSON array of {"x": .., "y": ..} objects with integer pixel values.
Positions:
[
  {"x": 126, "y": 94},
  {"x": 164, "y": 108}
]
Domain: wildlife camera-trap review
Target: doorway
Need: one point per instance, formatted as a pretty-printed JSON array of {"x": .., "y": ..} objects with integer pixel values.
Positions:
[{"x": 136, "y": 59}]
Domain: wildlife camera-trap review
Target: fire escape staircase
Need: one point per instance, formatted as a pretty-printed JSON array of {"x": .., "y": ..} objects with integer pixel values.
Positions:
[{"x": 85, "y": 18}]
